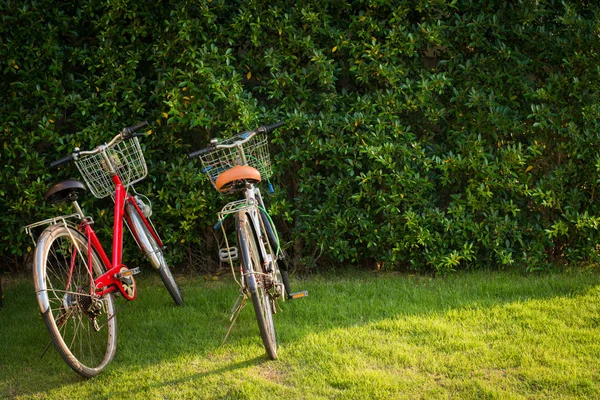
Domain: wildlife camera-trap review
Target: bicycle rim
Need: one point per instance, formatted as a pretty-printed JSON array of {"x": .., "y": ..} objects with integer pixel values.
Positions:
[
  {"x": 251, "y": 259},
  {"x": 82, "y": 326}
]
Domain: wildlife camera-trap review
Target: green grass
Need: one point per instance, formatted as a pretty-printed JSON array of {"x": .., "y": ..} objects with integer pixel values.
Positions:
[{"x": 364, "y": 335}]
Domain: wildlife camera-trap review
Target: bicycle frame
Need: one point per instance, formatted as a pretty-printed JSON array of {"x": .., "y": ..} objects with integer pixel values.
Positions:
[
  {"x": 252, "y": 193},
  {"x": 253, "y": 203},
  {"x": 109, "y": 281}
]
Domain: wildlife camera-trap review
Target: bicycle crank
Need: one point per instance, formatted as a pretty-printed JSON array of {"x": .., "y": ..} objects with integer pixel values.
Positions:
[{"x": 126, "y": 282}]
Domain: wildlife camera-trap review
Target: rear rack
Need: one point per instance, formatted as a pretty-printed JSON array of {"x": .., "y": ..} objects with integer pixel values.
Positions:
[
  {"x": 53, "y": 221},
  {"x": 234, "y": 207}
]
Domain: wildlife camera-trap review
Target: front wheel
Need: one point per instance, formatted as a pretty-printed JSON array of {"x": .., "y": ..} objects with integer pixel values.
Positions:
[
  {"x": 280, "y": 255},
  {"x": 82, "y": 325},
  {"x": 257, "y": 282},
  {"x": 153, "y": 252}
]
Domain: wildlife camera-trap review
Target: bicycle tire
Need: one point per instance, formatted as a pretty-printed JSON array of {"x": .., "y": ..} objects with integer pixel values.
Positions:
[
  {"x": 82, "y": 327},
  {"x": 153, "y": 253},
  {"x": 252, "y": 264}
]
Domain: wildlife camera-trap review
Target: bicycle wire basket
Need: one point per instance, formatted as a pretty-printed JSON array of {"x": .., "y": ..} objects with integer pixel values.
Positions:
[
  {"x": 127, "y": 159},
  {"x": 220, "y": 160}
]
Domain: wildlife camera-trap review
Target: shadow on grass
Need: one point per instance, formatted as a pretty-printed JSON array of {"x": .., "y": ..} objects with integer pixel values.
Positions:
[
  {"x": 148, "y": 387},
  {"x": 152, "y": 330}
]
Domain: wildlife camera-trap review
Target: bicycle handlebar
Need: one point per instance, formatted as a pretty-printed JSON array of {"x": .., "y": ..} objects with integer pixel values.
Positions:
[
  {"x": 269, "y": 128},
  {"x": 129, "y": 131},
  {"x": 246, "y": 136},
  {"x": 126, "y": 133},
  {"x": 201, "y": 151},
  {"x": 62, "y": 161}
]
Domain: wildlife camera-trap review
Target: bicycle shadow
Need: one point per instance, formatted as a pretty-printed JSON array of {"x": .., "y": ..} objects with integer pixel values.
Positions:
[{"x": 199, "y": 376}]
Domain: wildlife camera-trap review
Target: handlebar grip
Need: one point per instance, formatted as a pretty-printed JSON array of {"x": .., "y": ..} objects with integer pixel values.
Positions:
[
  {"x": 129, "y": 130},
  {"x": 269, "y": 128},
  {"x": 200, "y": 152},
  {"x": 61, "y": 161}
]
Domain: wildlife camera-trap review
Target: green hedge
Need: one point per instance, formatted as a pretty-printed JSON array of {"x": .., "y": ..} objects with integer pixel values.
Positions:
[{"x": 426, "y": 134}]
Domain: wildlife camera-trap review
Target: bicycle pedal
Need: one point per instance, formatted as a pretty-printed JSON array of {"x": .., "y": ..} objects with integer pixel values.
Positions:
[
  {"x": 127, "y": 273},
  {"x": 228, "y": 254},
  {"x": 298, "y": 295}
]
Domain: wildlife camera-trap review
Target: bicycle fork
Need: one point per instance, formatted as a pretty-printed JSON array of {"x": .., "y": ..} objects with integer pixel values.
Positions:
[{"x": 143, "y": 235}]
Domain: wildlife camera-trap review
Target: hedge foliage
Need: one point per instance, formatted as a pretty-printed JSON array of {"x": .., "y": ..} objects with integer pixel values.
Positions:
[{"x": 425, "y": 134}]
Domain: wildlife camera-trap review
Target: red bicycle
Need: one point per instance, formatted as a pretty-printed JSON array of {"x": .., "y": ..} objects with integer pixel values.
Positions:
[{"x": 74, "y": 278}]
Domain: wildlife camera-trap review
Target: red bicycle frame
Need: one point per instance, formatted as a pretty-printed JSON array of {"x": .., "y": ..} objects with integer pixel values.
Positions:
[{"x": 110, "y": 281}]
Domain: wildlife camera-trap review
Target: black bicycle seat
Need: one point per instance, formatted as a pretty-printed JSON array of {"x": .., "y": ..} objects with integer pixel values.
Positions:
[{"x": 65, "y": 191}]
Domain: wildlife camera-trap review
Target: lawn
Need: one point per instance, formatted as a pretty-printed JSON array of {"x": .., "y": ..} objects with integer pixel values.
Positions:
[{"x": 358, "y": 335}]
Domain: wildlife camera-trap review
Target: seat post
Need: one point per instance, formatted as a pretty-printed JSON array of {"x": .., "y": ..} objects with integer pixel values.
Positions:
[{"x": 78, "y": 209}]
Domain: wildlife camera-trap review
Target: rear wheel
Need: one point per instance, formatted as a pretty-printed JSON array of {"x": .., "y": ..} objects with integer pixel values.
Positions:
[
  {"x": 154, "y": 253},
  {"x": 82, "y": 325},
  {"x": 257, "y": 282}
]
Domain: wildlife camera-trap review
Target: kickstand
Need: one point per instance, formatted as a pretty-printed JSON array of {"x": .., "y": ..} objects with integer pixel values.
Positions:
[
  {"x": 45, "y": 349},
  {"x": 235, "y": 311}
]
